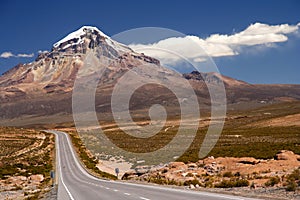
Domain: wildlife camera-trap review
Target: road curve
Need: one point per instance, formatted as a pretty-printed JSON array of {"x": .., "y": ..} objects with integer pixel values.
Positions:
[{"x": 76, "y": 184}]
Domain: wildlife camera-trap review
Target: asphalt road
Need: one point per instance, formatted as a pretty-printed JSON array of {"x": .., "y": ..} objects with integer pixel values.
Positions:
[{"x": 76, "y": 184}]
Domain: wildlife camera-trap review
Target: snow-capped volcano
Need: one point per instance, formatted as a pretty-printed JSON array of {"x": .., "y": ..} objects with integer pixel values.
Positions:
[
  {"x": 53, "y": 73},
  {"x": 87, "y": 35},
  {"x": 67, "y": 55},
  {"x": 44, "y": 87},
  {"x": 79, "y": 34}
]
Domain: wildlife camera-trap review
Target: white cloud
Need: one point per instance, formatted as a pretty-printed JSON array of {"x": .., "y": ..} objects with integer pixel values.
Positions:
[
  {"x": 23, "y": 55},
  {"x": 8, "y": 54},
  {"x": 255, "y": 34},
  {"x": 217, "y": 45},
  {"x": 171, "y": 50}
]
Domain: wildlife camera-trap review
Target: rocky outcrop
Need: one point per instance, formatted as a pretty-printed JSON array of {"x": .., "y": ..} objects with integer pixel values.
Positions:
[
  {"x": 37, "y": 178},
  {"x": 212, "y": 171},
  {"x": 287, "y": 155},
  {"x": 194, "y": 75}
]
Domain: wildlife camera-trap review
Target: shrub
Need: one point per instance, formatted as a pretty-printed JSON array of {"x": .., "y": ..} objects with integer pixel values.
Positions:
[
  {"x": 292, "y": 180},
  {"x": 252, "y": 186},
  {"x": 242, "y": 183},
  {"x": 193, "y": 182},
  {"x": 228, "y": 174},
  {"x": 157, "y": 180},
  {"x": 8, "y": 170},
  {"x": 291, "y": 186},
  {"x": 232, "y": 183},
  {"x": 272, "y": 181},
  {"x": 189, "y": 175},
  {"x": 225, "y": 184},
  {"x": 208, "y": 184},
  {"x": 172, "y": 182},
  {"x": 295, "y": 175},
  {"x": 238, "y": 174}
]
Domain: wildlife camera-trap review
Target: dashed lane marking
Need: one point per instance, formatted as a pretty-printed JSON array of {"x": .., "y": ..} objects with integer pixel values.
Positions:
[{"x": 144, "y": 198}]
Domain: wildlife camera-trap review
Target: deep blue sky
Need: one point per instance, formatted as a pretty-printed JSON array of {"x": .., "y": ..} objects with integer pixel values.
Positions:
[{"x": 30, "y": 26}]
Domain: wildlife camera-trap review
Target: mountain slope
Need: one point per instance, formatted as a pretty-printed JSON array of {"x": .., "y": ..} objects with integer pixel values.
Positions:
[
  {"x": 44, "y": 87},
  {"x": 239, "y": 91}
]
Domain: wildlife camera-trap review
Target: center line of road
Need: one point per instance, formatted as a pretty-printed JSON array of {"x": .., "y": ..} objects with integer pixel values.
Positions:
[
  {"x": 116, "y": 190},
  {"x": 126, "y": 193},
  {"x": 144, "y": 198},
  {"x": 107, "y": 188}
]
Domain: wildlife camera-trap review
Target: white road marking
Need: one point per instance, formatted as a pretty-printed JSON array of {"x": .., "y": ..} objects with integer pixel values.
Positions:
[
  {"x": 107, "y": 188},
  {"x": 144, "y": 198},
  {"x": 116, "y": 190},
  {"x": 126, "y": 193}
]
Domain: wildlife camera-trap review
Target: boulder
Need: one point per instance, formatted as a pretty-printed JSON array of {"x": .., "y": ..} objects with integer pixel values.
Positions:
[
  {"x": 192, "y": 165},
  {"x": 192, "y": 186},
  {"x": 129, "y": 175},
  {"x": 286, "y": 155},
  {"x": 176, "y": 164},
  {"x": 36, "y": 178},
  {"x": 213, "y": 168},
  {"x": 142, "y": 169}
]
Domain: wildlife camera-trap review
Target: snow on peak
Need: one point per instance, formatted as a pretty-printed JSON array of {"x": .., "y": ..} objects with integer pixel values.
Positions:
[{"x": 78, "y": 33}]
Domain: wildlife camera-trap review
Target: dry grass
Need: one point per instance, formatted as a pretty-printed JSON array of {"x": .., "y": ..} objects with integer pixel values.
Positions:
[
  {"x": 240, "y": 137},
  {"x": 26, "y": 152}
]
